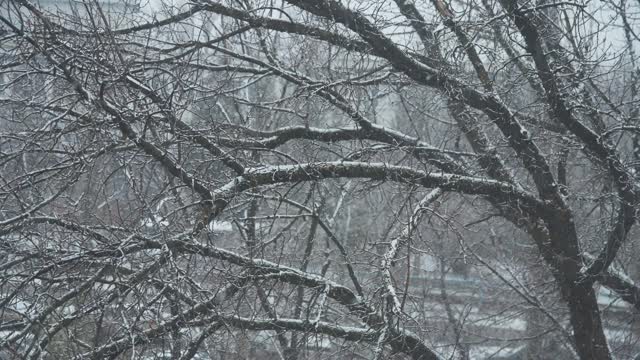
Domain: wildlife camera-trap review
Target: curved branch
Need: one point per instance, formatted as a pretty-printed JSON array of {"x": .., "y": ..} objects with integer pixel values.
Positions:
[
  {"x": 394, "y": 247},
  {"x": 519, "y": 139},
  {"x": 289, "y": 27},
  {"x": 269, "y": 175},
  {"x": 400, "y": 340}
]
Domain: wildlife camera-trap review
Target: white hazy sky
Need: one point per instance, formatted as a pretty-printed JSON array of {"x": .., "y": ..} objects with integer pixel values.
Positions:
[{"x": 604, "y": 29}]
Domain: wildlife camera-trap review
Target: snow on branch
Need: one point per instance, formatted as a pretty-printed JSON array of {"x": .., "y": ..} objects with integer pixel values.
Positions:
[{"x": 269, "y": 175}]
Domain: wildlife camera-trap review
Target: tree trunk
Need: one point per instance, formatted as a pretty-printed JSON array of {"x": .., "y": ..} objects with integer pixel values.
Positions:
[{"x": 586, "y": 322}]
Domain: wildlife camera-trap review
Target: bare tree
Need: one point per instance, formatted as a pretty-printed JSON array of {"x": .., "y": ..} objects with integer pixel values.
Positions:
[{"x": 300, "y": 179}]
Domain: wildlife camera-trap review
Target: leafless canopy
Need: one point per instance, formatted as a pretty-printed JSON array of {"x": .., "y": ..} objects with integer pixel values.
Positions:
[{"x": 312, "y": 179}]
